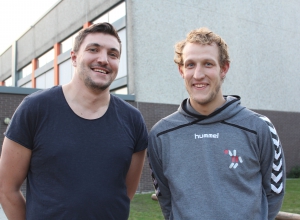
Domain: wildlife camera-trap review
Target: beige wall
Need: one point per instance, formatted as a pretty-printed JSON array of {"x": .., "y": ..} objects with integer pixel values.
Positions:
[{"x": 262, "y": 37}]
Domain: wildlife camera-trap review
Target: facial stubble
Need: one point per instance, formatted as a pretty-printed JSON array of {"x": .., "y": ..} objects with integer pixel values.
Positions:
[{"x": 89, "y": 83}]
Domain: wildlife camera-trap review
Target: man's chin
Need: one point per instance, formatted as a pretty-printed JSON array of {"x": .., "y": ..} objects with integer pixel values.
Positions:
[
  {"x": 201, "y": 100},
  {"x": 97, "y": 86}
]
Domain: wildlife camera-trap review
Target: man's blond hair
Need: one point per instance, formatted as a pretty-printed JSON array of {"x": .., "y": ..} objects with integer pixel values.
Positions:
[{"x": 203, "y": 36}]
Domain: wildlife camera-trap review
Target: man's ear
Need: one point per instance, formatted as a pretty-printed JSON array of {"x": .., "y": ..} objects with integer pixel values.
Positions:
[
  {"x": 224, "y": 70},
  {"x": 180, "y": 70},
  {"x": 73, "y": 58}
]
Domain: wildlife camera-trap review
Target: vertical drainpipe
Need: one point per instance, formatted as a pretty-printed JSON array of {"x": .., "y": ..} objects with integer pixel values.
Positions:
[
  {"x": 126, "y": 52},
  {"x": 56, "y": 66},
  {"x": 87, "y": 24},
  {"x": 34, "y": 64}
]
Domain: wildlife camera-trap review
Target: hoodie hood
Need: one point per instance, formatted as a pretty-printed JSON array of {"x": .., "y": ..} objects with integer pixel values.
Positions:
[{"x": 230, "y": 108}]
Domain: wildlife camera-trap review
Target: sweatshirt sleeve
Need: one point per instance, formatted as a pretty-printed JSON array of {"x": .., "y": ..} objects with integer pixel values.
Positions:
[
  {"x": 272, "y": 167},
  {"x": 159, "y": 180}
]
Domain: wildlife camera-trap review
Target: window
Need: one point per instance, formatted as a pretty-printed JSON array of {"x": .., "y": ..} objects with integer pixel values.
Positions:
[
  {"x": 8, "y": 82},
  {"x": 113, "y": 15},
  {"x": 68, "y": 43},
  {"x": 120, "y": 91},
  {"x": 27, "y": 85},
  {"x": 45, "y": 80},
  {"x": 123, "y": 61},
  {"x": 117, "y": 13},
  {"x": 65, "y": 72},
  {"x": 27, "y": 70},
  {"x": 103, "y": 18},
  {"x": 46, "y": 58}
]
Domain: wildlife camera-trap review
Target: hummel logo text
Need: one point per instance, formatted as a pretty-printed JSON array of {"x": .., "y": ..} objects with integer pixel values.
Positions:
[{"x": 198, "y": 136}]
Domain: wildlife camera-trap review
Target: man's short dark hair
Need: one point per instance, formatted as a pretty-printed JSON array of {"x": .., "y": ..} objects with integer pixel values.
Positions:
[{"x": 105, "y": 28}]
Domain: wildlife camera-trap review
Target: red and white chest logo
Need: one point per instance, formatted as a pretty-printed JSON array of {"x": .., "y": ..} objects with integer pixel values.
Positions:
[{"x": 234, "y": 158}]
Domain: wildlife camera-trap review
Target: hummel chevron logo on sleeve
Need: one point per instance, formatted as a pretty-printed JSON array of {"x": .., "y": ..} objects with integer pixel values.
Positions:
[
  {"x": 155, "y": 183},
  {"x": 277, "y": 155},
  {"x": 277, "y": 169},
  {"x": 272, "y": 129},
  {"x": 276, "y": 178},
  {"x": 276, "y": 142},
  {"x": 156, "y": 187},
  {"x": 277, "y": 190}
]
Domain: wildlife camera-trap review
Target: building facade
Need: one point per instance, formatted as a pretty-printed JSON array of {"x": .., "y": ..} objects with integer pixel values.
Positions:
[{"x": 261, "y": 38}]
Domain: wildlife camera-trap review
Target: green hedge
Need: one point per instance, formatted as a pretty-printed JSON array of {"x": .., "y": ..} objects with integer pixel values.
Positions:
[{"x": 294, "y": 173}]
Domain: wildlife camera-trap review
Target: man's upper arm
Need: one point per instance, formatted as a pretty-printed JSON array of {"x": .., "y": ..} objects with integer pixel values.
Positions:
[
  {"x": 272, "y": 167},
  {"x": 14, "y": 163},
  {"x": 160, "y": 181},
  {"x": 134, "y": 172}
]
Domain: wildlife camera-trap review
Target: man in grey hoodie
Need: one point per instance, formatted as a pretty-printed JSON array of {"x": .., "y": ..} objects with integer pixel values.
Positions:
[{"x": 213, "y": 158}]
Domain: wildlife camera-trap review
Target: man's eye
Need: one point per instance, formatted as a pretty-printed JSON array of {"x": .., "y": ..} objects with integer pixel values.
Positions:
[
  {"x": 208, "y": 64},
  {"x": 189, "y": 65},
  {"x": 114, "y": 55},
  {"x": 93, "y": 49}
]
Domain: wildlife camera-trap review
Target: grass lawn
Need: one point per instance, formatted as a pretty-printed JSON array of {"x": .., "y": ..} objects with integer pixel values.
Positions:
[
  {"x": 144, "y": 208},
  {"x": 291, "y": 202}
]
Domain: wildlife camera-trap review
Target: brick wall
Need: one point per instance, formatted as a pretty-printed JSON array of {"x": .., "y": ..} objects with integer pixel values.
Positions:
[
  {"x": 286, "y": 123},
  {"x": 152, "y": 113},
  {"x": 8, "y": 104}
]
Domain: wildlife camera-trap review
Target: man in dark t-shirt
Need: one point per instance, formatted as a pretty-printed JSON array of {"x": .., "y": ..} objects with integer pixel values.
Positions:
[{"x": 81, "y": 148}]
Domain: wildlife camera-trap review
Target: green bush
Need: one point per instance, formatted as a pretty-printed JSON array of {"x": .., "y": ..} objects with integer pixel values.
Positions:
[{"x": 294, "y": 173}]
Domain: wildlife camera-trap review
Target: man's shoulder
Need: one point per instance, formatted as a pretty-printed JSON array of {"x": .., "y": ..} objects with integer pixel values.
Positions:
[
  {"x": 263, "y": 122},
  {"x": 251, "y": 119},
  {"x": 43, "y": 94},
  {"x": 253, "y": 115},
  {"x": 41, "y": 97},
  {"x": 122, "y": 105},
  {"x": 173, "y": 120}
]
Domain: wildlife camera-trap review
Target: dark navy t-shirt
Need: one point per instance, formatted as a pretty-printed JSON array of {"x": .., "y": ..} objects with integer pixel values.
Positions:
[{"x": 78, "y": 166}]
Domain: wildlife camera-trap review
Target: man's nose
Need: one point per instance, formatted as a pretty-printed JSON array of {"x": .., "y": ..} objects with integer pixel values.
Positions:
[
  {"x": 102, "y": 58},
  {"x": 199, "y": 72}
]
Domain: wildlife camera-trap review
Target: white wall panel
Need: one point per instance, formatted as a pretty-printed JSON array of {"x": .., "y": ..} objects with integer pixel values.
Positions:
[{"x": 262, "y": 38}]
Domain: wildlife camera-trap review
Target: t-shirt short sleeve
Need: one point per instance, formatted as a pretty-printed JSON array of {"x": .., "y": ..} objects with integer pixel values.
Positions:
[{"x": 21, "y": 127}]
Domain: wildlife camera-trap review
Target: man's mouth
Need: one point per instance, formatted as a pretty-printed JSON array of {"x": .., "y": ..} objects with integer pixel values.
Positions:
[
  {"x": 200, "y": 85},
  {"x": 100, "y": 71}
]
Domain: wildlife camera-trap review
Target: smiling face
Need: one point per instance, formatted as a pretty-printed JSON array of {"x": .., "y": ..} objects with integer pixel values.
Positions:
[
  {"x": 97, "y": 60},
  {"x": 203, "y": 76}
]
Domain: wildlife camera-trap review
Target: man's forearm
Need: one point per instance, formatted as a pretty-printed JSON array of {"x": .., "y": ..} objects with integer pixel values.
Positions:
[
  {"x": 134, "y": 172},
  {"x": 14, "y": 205}
]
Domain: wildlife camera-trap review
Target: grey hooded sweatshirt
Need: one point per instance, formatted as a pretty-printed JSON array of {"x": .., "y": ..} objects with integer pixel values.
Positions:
[{"x": 227, "y": 165}]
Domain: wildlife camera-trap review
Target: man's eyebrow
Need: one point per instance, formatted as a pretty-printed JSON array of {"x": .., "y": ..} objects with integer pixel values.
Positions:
[
  {"x": 210, "y": 59},
  {"x": 93, "y": 45},
  {"x": 203, "y": 60},
  {"x": 115, "y": 49},
  {"x": 98, "y": 45}
]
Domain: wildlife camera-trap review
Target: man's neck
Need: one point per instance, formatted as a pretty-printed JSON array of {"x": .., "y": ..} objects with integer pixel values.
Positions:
[
  {"x": 85, "y": 102},
  {"x": 207, "y": 109}
]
